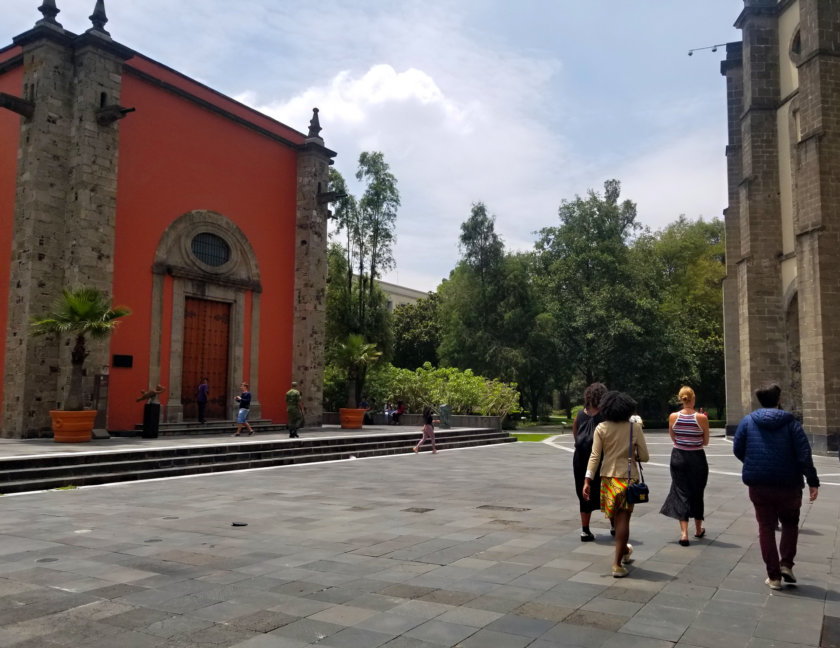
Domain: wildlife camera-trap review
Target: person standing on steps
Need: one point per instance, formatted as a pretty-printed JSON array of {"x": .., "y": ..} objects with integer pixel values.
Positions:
[
  {"x": 244, "y": 400},
  {"x": 776, "y": 455},
  {"x": 201, "y": 399},
  {"x": 294, "y": 410}
]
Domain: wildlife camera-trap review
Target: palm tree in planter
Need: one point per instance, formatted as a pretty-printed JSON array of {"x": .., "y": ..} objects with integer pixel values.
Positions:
[
  {"x": 354, "y": 355},
  {"x": 84, "y": 313}
]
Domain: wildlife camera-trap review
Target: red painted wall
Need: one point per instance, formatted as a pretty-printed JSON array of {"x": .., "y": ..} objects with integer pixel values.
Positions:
[
  {"x": 176, "y": 157},
  {"x": 11, "y": 82}
]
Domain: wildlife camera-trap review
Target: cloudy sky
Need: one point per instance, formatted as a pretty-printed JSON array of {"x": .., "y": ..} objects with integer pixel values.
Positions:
[{"x": 516, "y": 103}]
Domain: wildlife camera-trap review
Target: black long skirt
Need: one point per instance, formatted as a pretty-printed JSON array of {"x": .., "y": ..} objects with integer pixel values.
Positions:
[
  {"x": 689, "y": 475},
  {"x": 579, "y": 462}
]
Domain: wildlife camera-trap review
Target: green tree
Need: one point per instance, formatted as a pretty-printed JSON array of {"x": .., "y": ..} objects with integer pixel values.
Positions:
[
  {"x": 378, "y": 209},
  {"x": 348, "y": 222},
  {"x": 417, "y": 332},
  {"x": 482, "y": 250},
  {"x": 343, "y": 316},
  {"x": 690, "y": 260},
  {"x": 470, "y": 298},
  {"x": 584, "y": 267}
]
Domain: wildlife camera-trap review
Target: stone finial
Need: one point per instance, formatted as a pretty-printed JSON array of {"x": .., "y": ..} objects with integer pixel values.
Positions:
[
  {"x": 98, "y": 18},
  {"x": 49, "y": 11},
  {"x": 314, "y": 124}
]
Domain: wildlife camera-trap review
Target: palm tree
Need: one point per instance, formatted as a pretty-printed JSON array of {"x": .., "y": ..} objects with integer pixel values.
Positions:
[
  {"x": 355, "y": 355},
  {"x": 83, "y": 312}
]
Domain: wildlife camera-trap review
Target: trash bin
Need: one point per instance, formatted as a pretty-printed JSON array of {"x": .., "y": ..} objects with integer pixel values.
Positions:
[
  {"x": 445, "y": 416},
  {"x": 151, "y": 420}
]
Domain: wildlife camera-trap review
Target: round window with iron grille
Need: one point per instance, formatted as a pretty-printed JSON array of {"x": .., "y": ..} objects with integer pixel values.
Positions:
[{"x": 210, "y": 249}]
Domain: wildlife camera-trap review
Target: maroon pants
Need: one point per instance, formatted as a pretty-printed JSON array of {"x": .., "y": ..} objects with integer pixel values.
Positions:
[{"x": 774, "y": 505}]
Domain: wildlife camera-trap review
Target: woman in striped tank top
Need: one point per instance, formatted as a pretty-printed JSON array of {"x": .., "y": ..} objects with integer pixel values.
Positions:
[{"x": 689, "y": 470}]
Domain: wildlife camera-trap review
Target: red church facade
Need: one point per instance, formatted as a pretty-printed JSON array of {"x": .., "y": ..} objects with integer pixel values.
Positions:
[{"x": 213, "y": 220}]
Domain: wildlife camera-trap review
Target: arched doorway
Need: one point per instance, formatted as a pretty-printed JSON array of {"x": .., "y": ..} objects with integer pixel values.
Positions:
[{"x": 208, "y": 284}]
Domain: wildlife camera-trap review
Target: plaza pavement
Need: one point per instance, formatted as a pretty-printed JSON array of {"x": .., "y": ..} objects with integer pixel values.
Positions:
[{"x": 474, "y": 548}]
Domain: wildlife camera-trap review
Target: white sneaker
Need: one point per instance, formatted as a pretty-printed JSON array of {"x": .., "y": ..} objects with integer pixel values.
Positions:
[
  {"x": 773, "y": 584},
  {"x": 787, "y": 575}
]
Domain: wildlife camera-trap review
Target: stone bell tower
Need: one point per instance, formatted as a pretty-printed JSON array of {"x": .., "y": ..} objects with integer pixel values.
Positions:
[{"x": 65, "y": 201}]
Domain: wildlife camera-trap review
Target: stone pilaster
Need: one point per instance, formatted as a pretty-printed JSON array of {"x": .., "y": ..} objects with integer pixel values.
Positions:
[
  {"x": 65, "y": 202},
  {"x": 760, "y": 315},
  {"x": 310, "y": 302},
  {"x": 37, "y": 263},
  {"x": 816, "y": 219},
  {"x": 732, "y": 69}
]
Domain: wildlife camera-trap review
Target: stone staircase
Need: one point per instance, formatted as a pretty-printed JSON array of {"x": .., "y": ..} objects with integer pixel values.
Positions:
[
  {"x": 193, "y": 428},
  {"x": 46, "y": 471}
]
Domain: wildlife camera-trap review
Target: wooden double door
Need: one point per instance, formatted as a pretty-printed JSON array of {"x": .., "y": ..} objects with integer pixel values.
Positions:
[{"x": 205, "y": 355}]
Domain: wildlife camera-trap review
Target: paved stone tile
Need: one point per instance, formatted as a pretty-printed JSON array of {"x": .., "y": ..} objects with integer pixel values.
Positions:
[
  {"x": 602, "y": 620},
  {"x": 356, "y": 638},
  {"x": 342, "y": 547},
  {"x": 521, "y": 625},
  {"x": 262, "y": 621},
  {"x": 409, "y": 642},
  {"x": 487, "y": 638},
  {"x": 307, "y": 630},
  {"x": 711, "y": 637},
  {"x": 176, "y": 626},
  {"x": 567, "y": 634},
  {"x": 270, "y": 641},
  {"x": 222, "y": 635},
  {"x": 441, "y": 632}
]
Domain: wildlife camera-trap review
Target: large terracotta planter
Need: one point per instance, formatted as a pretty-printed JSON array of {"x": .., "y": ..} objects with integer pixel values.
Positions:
[
  {"x": 72, "y": 427},
  {"x": 351, "y": 419}
]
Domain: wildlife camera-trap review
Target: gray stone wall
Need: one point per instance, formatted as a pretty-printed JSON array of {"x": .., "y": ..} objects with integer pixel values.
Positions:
[
  {"x": 817, "y": 220},
  {"x": 784, "y": 332}
]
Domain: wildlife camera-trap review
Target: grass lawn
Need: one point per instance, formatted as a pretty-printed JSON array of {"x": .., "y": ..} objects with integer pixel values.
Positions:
[{"x": 531, "y": 436}]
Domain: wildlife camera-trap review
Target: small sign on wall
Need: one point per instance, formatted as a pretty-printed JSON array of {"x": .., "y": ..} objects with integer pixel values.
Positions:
[{"x": 122, "y": 361}]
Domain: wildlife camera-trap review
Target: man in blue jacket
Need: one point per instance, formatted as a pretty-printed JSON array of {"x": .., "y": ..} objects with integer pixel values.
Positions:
[{"x": 776, "y": 454}]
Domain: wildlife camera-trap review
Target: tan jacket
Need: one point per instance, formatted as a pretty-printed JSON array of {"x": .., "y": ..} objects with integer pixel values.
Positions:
[{"x": 613, "y": 439}]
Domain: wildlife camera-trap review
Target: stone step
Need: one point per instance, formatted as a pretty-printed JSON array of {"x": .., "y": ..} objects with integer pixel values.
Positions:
[
  {"x": 82, "y": 469},
  {"x": 194, "y": 428}
]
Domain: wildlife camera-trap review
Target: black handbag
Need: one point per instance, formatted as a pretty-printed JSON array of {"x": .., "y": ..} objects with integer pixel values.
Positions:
[{"x": 637, "y": 493}]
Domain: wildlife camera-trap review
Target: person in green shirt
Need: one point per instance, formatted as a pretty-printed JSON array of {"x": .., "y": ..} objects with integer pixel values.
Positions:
[{"x": 294, "y": 410}]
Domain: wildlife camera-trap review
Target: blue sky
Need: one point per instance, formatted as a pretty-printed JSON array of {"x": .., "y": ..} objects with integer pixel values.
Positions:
[{"x": 516, "y": 104}]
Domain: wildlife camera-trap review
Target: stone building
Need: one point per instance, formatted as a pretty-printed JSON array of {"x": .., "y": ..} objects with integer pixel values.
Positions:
[
  {"x": 782, "y": 290},
  {"x": 205, "y": 217}
]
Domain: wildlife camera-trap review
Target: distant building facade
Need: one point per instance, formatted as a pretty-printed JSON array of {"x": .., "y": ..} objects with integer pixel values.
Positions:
[
  {"x": 782, "y": 289},
  {"x": 207, "y": 218},
  {"x": 400, "y": 295}
]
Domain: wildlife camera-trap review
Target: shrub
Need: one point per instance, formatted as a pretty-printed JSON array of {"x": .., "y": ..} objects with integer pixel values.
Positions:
[{"x": 463, "y": 391}]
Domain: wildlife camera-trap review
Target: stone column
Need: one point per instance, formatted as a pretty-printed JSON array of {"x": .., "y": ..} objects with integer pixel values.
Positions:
[
  {"x": 817, "y": 221},
  {"x": 64, "y": 211},
  {"x": 760, "y": 313},
  {"x": 37, "y": 263},
  {"x": 91, "y": 205},
  {"x": 732, "y": 69},
  {"x": 310, "y": 302}
]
